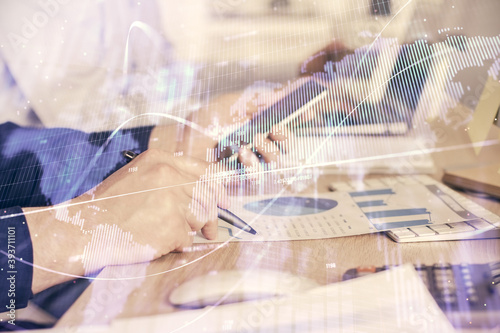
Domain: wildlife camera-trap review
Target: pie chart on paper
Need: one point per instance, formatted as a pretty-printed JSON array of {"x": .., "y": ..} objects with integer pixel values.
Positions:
[{"x": 290, "y": 206}]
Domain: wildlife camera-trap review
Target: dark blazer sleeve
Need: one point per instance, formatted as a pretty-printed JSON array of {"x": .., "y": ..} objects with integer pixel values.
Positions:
[{"x": 43, "y": 167}]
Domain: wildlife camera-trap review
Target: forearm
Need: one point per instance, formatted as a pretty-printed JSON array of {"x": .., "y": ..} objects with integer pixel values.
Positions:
[
  {"x": 164, "y": 137},
  {"x": 189, "y": 139},
  {"x": 58, "y": 247}
]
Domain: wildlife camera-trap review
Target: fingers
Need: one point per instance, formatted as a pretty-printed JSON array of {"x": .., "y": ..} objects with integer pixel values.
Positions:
[
  {"x": 198, "y": 203},
  {"x": 202, "y": 213},
  {"x": 247, "y": 157},
  {"x": 266, "y": 148},
  {"x": 199, "y": 218},
  {"x": 184, "y": 239},
  {"x": 210, "y": 229},
  {"x": 281, "y": 136}
]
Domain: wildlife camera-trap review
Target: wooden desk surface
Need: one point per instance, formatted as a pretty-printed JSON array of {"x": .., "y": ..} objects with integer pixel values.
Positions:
[{"x": 143, "y": 289}]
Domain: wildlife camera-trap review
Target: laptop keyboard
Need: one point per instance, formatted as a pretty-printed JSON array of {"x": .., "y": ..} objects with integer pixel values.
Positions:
[{"x": 474, "y": 229}]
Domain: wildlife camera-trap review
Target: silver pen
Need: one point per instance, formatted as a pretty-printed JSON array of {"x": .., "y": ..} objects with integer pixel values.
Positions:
[{"x": 235, "y": 221}]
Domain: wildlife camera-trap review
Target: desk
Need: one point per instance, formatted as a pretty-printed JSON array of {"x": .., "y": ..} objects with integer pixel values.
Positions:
[
  {"x": 322, "y": 260},
  {"x": 117, "y": 295}
]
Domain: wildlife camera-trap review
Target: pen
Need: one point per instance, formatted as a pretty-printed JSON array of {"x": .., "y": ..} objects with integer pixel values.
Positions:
[
  {"x": 129, "y": 155},
  {"x": 223, "y": 214},
  {"x": 235, "y": 221}
]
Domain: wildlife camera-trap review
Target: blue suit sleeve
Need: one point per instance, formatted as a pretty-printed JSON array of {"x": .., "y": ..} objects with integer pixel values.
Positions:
[
  {"x": 16, "y": 256},
  {"x": 43, "y": 167}
]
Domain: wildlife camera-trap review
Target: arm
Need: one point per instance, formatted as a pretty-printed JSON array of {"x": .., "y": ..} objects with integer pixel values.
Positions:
[
  {"x": 200, "y": 135},
  {"x": 142, "y": 211}
]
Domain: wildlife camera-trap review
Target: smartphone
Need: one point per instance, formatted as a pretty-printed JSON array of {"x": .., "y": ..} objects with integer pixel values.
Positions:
[{"x": 284, "y": 111}]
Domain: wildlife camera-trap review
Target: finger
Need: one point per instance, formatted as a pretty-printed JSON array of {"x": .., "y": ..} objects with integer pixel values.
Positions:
[
  {"x": 266, "y": 148},
  {"x": 217, "y": 189},
  {"x": 197, "y": 214},
  {"x": 210, "y": 229},
  {"x": 209, "y": 194},
  {"x": 247, "y": 157},
  {"x": 221, "y": 180},
  {"x": 203, "y": 216},
  {"x": 281, "y": 136},
  {"x": 193, "y": 167}
]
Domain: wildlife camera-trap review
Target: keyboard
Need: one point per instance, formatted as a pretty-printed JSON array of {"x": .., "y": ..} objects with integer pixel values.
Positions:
[
  {"x": 468, "y": 294},
  {"x": 473, "y": 229}
]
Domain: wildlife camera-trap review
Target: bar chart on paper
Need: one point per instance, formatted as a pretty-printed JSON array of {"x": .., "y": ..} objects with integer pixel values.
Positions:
[
  {"x": 406, "y": 205},
  {"x": 354, "y": 208},
  {"x": 403, "y": 202}
]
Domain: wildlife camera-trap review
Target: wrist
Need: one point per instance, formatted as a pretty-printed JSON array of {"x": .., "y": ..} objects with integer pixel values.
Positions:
[
  {"x": 165, "y": 136},
  {"x": 58, "y": 245}
]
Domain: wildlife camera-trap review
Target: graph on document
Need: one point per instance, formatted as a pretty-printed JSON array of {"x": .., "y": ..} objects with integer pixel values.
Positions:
[
  {"x": 354, "y": 208},
  {"x": 402, "y": 202}
]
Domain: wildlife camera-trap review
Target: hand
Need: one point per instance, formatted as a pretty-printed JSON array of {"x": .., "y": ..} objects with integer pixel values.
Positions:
[
  {"x": 339, "y": 106},
  {"x": 200, "y": 135},
  {"x": 334, "y": 51},
  {"x": 149, "y": 208}
]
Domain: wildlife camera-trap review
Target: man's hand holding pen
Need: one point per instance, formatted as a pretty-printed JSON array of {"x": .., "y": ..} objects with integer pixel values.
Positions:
[
  {"x": 222, "y": 212},
  {"x": 150, "y": 207}
]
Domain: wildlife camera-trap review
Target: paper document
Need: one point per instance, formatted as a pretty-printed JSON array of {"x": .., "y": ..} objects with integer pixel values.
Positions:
[
  {"x": 354, "y": 208},
  {"x": 395, "y": 300}
]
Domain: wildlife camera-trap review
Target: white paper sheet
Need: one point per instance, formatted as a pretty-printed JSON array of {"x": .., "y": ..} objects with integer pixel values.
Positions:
[
  {"x": 355, "y": 208},
  {"x": 390, "y": 301}
]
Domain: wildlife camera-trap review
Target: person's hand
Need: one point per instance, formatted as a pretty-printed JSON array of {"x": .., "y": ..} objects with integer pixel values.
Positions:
[
  {"x": 338, "y": 106},
  {"x": 315, "y": 63},
  {"x": 203, "y": 129},
  {"x": 149, "y": 208},
  {"x": 199, "y": 136},
  {"x": 224, "y": 115}
]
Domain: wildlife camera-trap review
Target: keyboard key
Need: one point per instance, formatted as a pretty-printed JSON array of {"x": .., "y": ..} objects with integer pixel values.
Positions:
[
  {"x": 403, "y": 233},
  {"x": 461, "y": 227},
  {"x": 449, "y": 299},
  {"x": 448, "y": 291},
  {"x": 473, "y": 299},
  {"x": 468, "y": 284},
  {"x": 423, "y": 231},
  {"x": 480, "y": 224},
  {"x": 443, "y": 275},
  {"x": 495, "y": 223},
  {"x": 442, "y": 228},
  {"x": 470, "y": 291},
  {"x": 441, "y": 265}
]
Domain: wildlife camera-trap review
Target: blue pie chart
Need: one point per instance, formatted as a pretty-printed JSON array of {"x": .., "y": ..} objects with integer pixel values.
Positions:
[{"x": 290, "y": 206}]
